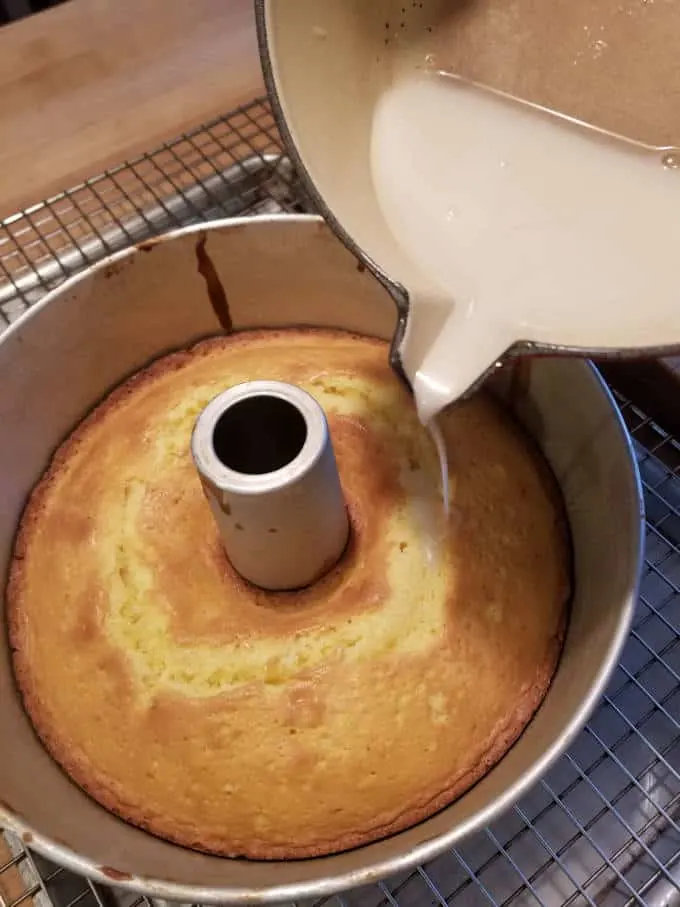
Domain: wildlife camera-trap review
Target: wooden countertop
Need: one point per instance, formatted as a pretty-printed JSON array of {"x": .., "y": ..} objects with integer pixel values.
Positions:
[{"x": 88, "y": 84}]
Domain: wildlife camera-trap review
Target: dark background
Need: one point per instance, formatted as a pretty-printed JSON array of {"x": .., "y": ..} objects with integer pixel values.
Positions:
[{"x": 11, "y": 10}]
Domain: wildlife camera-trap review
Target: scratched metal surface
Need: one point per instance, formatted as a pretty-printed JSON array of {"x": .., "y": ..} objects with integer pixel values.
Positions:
[{"x": 603, "y": 828}]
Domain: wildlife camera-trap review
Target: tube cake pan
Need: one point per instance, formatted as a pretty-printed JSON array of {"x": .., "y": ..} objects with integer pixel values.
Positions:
[{"x": 84, "y": 338}]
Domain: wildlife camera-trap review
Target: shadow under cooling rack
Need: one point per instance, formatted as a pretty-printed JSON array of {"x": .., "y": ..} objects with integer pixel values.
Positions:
[{"x": 602, "y": 828}]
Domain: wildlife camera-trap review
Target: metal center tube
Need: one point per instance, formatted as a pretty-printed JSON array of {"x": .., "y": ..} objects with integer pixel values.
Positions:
[{"x": 264, "y": 456}]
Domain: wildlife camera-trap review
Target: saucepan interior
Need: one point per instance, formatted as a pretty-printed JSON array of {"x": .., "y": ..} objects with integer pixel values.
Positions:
[{"x": 326, "y": 65}]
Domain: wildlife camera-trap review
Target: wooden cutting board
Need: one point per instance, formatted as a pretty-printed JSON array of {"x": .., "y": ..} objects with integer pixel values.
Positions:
[{"x": 88, "y": 84}]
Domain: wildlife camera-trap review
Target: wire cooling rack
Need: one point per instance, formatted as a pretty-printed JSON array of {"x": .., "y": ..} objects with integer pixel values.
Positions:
[{"x": 603, "y": 827}]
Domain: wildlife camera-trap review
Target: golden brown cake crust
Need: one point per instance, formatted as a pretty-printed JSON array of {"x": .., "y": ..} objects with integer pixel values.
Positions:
[{"x": 285, "y": 725}]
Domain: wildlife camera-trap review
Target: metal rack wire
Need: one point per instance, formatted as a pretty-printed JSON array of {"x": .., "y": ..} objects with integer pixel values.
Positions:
[{"x": 603, "y": 827}]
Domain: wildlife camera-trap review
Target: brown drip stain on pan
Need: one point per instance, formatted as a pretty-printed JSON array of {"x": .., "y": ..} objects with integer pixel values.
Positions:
[
  {"x": 115, "y": 874},
  {"x": 216, "y": 292},
  {"x": 213, "y": 284}
]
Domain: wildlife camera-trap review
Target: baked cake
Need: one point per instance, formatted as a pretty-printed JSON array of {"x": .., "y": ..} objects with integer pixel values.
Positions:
[{"x": 285, "y": 725}]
